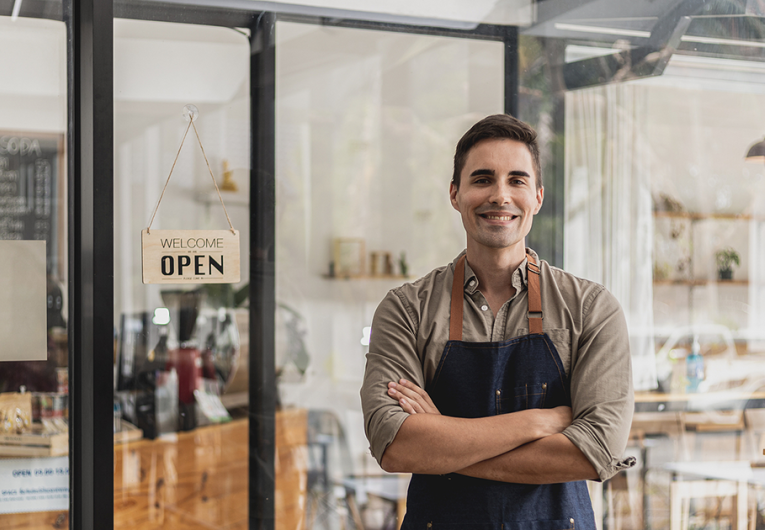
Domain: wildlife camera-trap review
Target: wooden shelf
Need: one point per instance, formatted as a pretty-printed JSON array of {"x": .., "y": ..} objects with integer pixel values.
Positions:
[
  {"x": 696, "y": 283},
  {"x": 368, "y": 277},
  {"x": 695, "y": 216}
]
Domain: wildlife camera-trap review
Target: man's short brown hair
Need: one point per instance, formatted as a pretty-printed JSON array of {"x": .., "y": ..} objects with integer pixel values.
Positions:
[{"x": 497, "y": 126}]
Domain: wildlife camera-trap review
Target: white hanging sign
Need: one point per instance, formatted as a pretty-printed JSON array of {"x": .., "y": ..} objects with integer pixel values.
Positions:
[{"x": 190, "y": 256}]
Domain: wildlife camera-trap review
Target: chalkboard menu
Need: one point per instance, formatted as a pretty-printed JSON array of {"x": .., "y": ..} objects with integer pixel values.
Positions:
[{"x": 31, "y": 190}]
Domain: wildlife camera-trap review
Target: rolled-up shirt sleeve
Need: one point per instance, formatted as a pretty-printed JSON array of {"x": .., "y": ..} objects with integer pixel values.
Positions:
[
  {"x": 392, "y": 356},
  {"x": 601, "y": 386}
]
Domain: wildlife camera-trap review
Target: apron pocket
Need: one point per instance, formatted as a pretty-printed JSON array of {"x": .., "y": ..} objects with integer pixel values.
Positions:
[{"x": 529, "y": 397}]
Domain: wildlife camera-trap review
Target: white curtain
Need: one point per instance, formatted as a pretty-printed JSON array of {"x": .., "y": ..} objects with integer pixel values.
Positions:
[{"x": 608, "y": 229}]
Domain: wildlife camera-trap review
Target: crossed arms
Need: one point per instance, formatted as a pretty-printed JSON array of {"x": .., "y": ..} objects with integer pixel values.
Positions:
[
  {"x": 522, "y": 447},
  {"x": 532, "y": 446}
]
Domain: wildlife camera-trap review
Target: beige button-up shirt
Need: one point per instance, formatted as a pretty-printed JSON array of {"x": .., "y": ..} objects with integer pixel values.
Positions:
[{"x": 585, "y": 322}]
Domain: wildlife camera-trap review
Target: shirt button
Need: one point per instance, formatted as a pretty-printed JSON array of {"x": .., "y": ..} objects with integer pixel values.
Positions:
[
  {"x": 484, "y": 307},
  {"x": 472, "y": 283}
]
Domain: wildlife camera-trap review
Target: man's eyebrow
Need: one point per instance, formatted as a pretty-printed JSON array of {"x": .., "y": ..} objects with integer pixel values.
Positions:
[{"x": 491, "y": 172}]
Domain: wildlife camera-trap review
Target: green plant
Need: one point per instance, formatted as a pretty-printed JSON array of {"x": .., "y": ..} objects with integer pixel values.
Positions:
[{"x": 726, "y": 258}]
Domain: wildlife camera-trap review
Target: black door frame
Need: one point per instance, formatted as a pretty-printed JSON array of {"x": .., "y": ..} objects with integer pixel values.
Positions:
[{"x": 91, "y": 239}]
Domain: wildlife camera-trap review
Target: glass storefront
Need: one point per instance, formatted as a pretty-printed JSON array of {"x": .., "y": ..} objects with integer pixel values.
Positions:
[
  {"x": 366, "y": 123},
  {"x": 34, "y": 373},
  {"x": 330, "y": 131},
  {"x": 180, "y": 349}
]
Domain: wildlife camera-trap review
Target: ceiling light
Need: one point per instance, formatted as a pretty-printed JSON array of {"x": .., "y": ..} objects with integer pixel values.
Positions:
[
  {"x": 726, "y": 42},
  {"x": 647, "y": 34},
  {"x": 756, "y": 153},
  {"x": 603, "y": 31}
]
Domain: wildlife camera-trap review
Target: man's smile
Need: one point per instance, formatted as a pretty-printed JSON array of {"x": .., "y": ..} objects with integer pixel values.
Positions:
[{"x": 498, "y": 217}]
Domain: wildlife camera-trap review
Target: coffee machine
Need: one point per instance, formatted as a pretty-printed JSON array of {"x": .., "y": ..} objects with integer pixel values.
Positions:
[{"x": 185, "y": 357}]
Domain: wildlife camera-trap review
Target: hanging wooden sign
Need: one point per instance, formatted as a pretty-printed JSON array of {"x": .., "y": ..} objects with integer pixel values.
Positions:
[{"x": 190, "y": 256}]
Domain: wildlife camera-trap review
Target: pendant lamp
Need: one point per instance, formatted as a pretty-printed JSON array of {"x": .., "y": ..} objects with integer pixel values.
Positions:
[{"x": 756, "y": 153}]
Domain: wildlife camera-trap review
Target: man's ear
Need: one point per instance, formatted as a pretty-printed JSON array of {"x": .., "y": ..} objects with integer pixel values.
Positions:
[
  {"x": 540, "y": 199},
  {"x": 453, "y": 195}
]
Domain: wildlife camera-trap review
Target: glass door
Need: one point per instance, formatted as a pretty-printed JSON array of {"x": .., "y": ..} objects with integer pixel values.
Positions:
[
  {"x": 181, "y": 349},
  {"x": 34, "y": 274},
  {"x": 366, "y": 124}
]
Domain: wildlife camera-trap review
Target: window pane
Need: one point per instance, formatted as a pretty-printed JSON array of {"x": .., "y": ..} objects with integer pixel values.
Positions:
[
  {"x": 34, "y": 463},
  {"x": 181, "y": 361},
  {"x": 366, "y": 127},
  {"x": 663, "y": 209}
]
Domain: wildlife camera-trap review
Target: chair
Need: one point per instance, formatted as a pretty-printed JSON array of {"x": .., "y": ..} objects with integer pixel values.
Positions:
[
  {"x": 721, "y": 480},
  {"x": 627, "y": 500},
  {"x": 329, "y": 465}
]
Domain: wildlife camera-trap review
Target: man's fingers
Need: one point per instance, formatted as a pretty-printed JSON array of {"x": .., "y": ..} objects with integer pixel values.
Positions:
[
  {"x": 418, "y": 398},
  {"x": 419, "y": 392},
  {"x": 399, "y": 392},
  {"x": 413, "y": 388},
  {"x": 407, "y": 406},
  {"x": 406, "y": 391}
]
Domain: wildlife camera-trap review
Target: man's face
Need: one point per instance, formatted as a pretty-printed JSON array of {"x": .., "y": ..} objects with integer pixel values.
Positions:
[{"x": 497, "y": 197}]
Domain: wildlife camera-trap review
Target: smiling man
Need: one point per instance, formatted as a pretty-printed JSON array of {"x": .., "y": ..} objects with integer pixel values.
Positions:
[{"x": 500, "y": 382}]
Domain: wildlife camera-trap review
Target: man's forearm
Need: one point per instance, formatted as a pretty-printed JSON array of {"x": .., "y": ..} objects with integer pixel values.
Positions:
[
  {"x": 435, "y": 444},
  {"x": 549, "y": 460}
]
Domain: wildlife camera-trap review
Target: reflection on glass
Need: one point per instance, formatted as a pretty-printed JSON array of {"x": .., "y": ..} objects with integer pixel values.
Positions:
[
  {"x": 34, "y": 439},
  {"x": 662, "y": 208},
  {"x": 366, "y": 127},
  {"x": 181, "y": 350}
]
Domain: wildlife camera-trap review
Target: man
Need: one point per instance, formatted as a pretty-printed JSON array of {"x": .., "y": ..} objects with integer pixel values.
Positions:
[{"x": 500, "y": 382}]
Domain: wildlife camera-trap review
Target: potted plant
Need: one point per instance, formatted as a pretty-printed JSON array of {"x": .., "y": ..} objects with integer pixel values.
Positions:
[{"x": 725, "y": 260}]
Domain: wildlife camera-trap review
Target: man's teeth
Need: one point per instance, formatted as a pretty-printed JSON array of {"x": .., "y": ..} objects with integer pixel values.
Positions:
[{"x": 501, "y": 217}]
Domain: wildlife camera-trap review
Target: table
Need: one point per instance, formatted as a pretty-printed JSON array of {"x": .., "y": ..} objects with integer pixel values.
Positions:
[{"x": 195, "y": 480}]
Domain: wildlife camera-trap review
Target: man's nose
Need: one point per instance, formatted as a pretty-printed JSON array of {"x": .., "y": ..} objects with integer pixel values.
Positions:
[{"x": 501, "y": 194}]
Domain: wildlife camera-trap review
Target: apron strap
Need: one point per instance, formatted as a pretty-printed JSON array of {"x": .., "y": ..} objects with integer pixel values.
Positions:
[
  {"x": 535, "y": 296},
  {"x": 458, "y": 295}
]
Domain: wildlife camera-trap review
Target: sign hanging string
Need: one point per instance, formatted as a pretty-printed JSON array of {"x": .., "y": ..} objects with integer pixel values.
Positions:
[{"x": 191, "y": 124}]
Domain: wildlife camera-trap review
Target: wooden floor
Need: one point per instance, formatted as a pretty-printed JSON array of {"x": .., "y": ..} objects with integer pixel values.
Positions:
[{"x": 195, "y": 481}]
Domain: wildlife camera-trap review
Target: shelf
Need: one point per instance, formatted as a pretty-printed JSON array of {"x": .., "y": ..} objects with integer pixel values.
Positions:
[
  {"x": 368, "y": 277},
  {"x": 230, "y": 198},
  {"x": 700, "y": 282},
  {"x": 694, "y": 216}
]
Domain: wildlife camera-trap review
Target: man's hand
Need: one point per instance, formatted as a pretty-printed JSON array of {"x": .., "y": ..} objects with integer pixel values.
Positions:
[{"x": 412, "y": 398}]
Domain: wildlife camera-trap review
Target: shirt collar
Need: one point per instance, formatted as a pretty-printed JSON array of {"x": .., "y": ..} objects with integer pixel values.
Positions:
[{"x": 520, "y": 281}]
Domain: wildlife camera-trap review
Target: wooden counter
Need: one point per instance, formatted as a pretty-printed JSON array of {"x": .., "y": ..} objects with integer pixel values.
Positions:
[{"x": 195, "y": 480}]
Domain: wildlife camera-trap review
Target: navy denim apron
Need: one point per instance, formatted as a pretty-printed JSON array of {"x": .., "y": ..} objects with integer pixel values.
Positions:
[{"x": 500, "y": 377}]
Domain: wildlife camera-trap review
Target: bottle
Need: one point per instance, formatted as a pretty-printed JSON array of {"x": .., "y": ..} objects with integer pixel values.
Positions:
[{"x": 694, "y": 365}]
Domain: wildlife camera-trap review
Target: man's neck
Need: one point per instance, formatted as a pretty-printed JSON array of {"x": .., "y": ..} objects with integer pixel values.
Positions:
[{"x": 494, "y": 269}]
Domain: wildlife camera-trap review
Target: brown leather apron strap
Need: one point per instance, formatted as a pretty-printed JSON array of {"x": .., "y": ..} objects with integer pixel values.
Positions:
[
  {"x": 458, "y": 295},
  {"x": 535, "y": 297}
]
